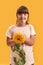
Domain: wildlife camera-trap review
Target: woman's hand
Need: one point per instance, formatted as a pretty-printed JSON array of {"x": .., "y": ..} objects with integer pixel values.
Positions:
[
  {"x": 30, "y": 41},
  {"x": 10, "y": 42}
]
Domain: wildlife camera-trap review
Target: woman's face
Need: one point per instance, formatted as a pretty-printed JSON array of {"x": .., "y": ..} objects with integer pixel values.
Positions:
[{"x": 22, "y": 18}]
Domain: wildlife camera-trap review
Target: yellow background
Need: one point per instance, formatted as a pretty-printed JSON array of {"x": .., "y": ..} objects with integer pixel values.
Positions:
[{"x": 8, "y": 10}]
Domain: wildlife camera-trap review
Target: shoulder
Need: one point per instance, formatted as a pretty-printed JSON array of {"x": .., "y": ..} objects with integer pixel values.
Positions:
[
  {"x": 11, "y": 27},
  {"x": 30, "y": 26},
  {"x": 32, "y": 29}
]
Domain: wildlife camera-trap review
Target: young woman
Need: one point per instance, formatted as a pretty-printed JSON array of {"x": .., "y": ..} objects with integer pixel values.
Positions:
[{"x": 25, "y": 28}]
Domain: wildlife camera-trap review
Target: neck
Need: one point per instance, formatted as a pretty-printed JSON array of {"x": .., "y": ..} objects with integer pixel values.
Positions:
[{"x": 20, "y": 25}]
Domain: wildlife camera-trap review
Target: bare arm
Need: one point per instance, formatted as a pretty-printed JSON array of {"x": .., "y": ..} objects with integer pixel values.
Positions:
[
  {"x": 30, "y": 41},
  {"x": 10, "y": 42}
]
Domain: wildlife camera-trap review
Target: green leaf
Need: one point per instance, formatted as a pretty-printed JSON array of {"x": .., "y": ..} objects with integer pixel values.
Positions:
[
  {"x": 16, "y": 47},
  {"x": 15, "y": 60},
  {"x": 20, "y": 63},
  {"x": 22, "y": 55}
]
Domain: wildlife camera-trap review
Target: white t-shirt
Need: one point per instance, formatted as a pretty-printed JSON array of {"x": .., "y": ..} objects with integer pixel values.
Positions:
[{"x": 27, "y": 30}]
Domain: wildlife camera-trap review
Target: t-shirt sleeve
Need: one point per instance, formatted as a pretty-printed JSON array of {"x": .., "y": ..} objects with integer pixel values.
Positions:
[
  {"x": 9, "y": 32},
  {"x": 32, "y": 30}
]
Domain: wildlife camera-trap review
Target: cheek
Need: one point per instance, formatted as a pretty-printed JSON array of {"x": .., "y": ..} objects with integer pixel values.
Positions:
[
  {"x": 26, "y": 18},
  {"x": 18, "y": 18}
]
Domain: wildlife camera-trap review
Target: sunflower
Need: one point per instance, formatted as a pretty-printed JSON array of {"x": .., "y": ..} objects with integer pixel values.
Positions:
[{"x": 19, "y": 38}]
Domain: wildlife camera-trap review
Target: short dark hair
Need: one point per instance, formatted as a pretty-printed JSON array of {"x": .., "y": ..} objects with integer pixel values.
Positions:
[{"x": 23, "y": 9}]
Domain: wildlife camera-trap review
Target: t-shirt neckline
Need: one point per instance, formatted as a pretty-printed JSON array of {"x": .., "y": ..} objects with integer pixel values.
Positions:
[{"x": 21, "y": 26}]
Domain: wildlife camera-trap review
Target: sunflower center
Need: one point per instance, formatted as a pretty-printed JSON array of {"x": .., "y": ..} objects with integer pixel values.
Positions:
[{"x": 18, "y": 38}]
